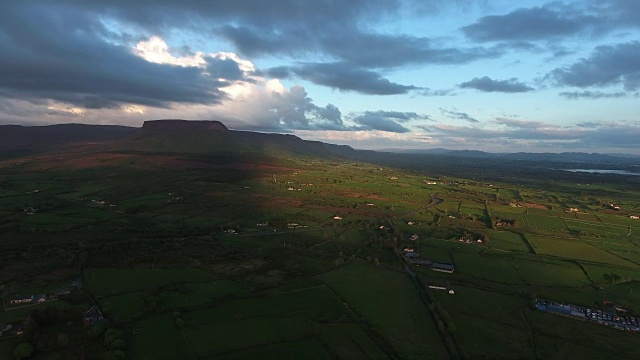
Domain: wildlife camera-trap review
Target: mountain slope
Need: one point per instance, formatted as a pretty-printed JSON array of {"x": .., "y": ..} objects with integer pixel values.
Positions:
[{"x": 14, "y": 137}]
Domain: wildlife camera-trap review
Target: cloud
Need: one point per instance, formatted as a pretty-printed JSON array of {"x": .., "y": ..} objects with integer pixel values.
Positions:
[
  {"x": 452, "y": 114},
  {"x": 344, "y": 77},
  {"x": 613, "y": 135},
  {"x": 341, "y": 30},
  {"x": 621, "y": 12},
  {"x": 388, "y": 51},
  {"x": 520, "y": 124},
  {"x": 385, "y": 120},
  {"x": 607, "y": 65},
  {"x": 373, "y": 122},
  {"x": 529, "y": 135},
  {"x": 487, "y": 84},
  {"x": 531, "y": 24},
  {"x": 72, "y": 62},
  {"x": 439, "y": 92},
  {"x": 399, "y": 116},
  {"x": 591, "y": 94}
]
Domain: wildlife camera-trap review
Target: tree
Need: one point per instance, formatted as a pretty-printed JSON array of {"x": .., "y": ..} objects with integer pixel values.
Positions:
[
  {"x": 23, "y": 351},
  {"x": 180, "y": 323},
  {"x": 118, "y": 344},
  {"x": 96, "y": 331},
  {"x": 63, "y": 340},
  {"x": 452, "y": 327}
]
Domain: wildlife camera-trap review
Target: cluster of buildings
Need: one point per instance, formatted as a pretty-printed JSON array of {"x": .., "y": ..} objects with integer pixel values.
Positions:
[
  {"x": 11, "y": 329},
  {"x": 440, "y": 286},
  {"x": 413, "y": 257},
  {"x": 28, "y": 299},
  {"x": 295, "y": 225},
  {"x": 466, "y": 240},
  {"x": 620, "y": 322},
  {"x": 40, "y": 298},
  {"x": 93, "y": 316}
]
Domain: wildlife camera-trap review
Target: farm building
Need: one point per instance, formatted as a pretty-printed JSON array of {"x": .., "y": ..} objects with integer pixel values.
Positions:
[
  {"x": 420, "y": 262},
  {"x": 4, "y": 328},
  {"x": 93, "y": 316},
  {"x": 40, "y": 298},
  {"x": 64, "y": 291},
  {"x": 21, "y": 299},
  {"x": 443, "y": 267}
]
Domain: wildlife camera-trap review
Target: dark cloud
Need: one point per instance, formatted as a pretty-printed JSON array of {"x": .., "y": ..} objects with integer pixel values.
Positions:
[
  {"x": 294, "y": 27},
  {"x": 539, "y": 23},
  {"x": 621, "y": 12},
  {"x": 378, "y": 121},
  {"x": 296, "y": 110},
  {"x": 452, "y": 114},
  {"x": 67, "y": 53},
  {"x": 387, "y": 51},
  {"x": 591, "y": 94},
  {"x": 223, "y": 68},
  {"x": 279, "y": 72},
  {"x": 607, "y": 65},
  {"x": 67, "y": 58},
  {"x": 345, "y": 77},
  {"x": 385, "y": 120},
  {"x": 399, "y": 116},
  {"x": 487, "y": 84}
]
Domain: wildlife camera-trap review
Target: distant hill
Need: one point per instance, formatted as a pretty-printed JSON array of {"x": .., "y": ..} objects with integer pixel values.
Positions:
[
  {"x": 573, "y": 157},
  {"x": 213, "y": 137},
  {"x": 16, "y": 137}
]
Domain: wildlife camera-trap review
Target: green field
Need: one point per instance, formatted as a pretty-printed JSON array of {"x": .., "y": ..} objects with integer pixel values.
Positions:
[
  {"x": 116, "y": 281},
  {"x": 572, "y": 249},
  {"x": 168, "y": 273},
  {"x": 396, "y": 312},
  {"x": 157, "y": 330},
  {"x": 557, "y": 274}
]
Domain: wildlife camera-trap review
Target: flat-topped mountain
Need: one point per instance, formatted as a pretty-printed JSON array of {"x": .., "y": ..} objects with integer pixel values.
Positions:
[
  {"x": 188, "y": 136},
  {"x": 171, "y": 126}
]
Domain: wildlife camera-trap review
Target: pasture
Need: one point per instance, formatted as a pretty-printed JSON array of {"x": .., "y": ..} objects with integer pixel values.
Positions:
[{"x": 396, "y": 312}]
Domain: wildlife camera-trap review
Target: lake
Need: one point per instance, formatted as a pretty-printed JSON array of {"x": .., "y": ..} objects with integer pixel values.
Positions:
[{"x": 602, "y": 171}]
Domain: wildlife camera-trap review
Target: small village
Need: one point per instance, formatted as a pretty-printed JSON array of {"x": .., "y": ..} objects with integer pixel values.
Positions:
[
  {"x": 17, "y": 301},
  {"x": 414, "y": 258},
  {"x": 612, "y": 318}
]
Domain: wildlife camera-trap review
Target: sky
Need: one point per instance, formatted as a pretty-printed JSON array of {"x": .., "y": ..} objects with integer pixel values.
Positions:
[{"x": 491, "y": 75}]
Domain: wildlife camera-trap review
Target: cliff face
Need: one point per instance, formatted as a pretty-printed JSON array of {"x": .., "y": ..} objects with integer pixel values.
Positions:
[{"x": 181, "y": 126}]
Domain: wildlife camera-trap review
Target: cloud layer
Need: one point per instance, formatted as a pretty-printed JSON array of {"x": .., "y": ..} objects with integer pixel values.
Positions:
[
  {"x": 263, "y": 66},
  {"x": 487, "y": 84}
]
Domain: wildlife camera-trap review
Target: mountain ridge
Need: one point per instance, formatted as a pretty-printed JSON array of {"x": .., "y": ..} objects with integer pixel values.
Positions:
[{"x": 192, "y": 136}]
